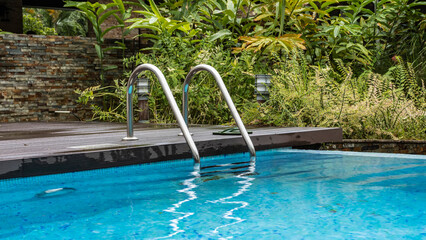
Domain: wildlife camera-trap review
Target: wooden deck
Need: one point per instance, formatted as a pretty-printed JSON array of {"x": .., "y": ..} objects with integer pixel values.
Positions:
[{"x": 28, "y": 149}]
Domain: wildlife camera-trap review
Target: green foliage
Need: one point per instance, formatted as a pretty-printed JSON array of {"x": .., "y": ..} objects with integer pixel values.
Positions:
[
  {"x": 400, "y": 27},
  {"x": 114, "y": 95},
  {"x": 97, "y": 14},
  {"x": 335, "y": 64},
  {"x": 225, "y": 19},
  {"x": 368, "y": 106},
  {"x": 71, "y": 23},
  {"x": 175, "y": 57},
  {"x": 404, "y": 77},
  {"x": 284, "y": 43},
  {"x": 52, "y": 22},
  {"x": 154, "y": 20},
  {"x": 4, "y": 32},
  {"x": 34, "y": 24}
]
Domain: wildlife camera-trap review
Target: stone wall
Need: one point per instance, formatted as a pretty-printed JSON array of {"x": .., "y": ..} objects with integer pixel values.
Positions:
[{"x": 38, "y": 75}]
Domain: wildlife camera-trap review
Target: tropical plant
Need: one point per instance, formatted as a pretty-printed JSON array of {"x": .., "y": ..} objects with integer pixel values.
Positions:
[
  {"x": 342, "y": 40},
  {"x": 369, "y": 106},
  {"x": 175, "y": 57},
  {"x": 123, "y": 15},
  {"x": 117, "y": 95},
  {"x": 154, "y": 20},
  {"x": 285, "y": 43},
  {"x": 277, "y": 16},
  {"x": 401, "y": 31},
  {"x": 33, "y": 22},
  {"x": 71, "y": 23},
  {"x": 97, "y": 13},
  {"x": 282, "y": 25},
  {"x": 226, "y": 19},
  {"x": 403, "y": 77},
  {"x": 324, "y": 56}
]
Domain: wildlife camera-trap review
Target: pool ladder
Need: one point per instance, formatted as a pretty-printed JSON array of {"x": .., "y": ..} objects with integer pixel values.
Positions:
[
  {"x": 225, "y": 94},
  {"x": 183, "y": 123}
]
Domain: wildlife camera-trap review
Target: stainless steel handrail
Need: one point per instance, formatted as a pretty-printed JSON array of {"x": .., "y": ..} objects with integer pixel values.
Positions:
[
  {"x": 225, "y": 94},
  {"x": 170, "y": 99}
]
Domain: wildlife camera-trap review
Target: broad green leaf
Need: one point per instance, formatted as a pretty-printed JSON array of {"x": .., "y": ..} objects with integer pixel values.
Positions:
[
  {"x": 219, "y": 35},
  {"x": 106, "y": 15},
  {"x": 71, "y": 4},
  {"x": 92, "y": 17},
  {"x": 262, "y": 16},
  {"x": 128, "y": 13},
  {"x": 119, "y": 20},
  {"x": 180, "y": 26},
  {"x": 152, "y": 20},
  {"x": 229, "y": 13},
  {"x": 99, "y": 51},
  {"x": 230, "y": 5},
  {"x": 154, "y": 8},
  {"x": 147, "y": 35},
  {"x": 415, "y": 4},
  {"x": 109, "y": 67},
  {"x": 336, "y": 31},
  {"x": 147, "y": 26},
  {"x": 146, "y": 13},
  {"x": 120, "y": 5}
]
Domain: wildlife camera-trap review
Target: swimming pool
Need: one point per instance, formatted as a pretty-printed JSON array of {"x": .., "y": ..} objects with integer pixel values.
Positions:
[{"x": 282, "y": 194}]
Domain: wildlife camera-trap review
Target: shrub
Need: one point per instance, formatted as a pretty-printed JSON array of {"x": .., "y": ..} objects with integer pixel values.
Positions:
[
  {"x": 35, "y": 25},
  {"x": 369, "y": 106},
  {"x": 175, "y": 57}
]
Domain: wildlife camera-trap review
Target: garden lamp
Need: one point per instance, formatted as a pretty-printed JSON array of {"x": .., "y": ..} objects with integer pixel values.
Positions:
[
  {"x": 262, "y": 81},
  {"x": 143, "y": 93}
]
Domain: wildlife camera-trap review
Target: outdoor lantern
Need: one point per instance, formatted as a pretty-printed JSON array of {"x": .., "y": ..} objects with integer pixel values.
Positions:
[
  {"x": 142, "y": 88},
  {"x": 263, "y": 82}
]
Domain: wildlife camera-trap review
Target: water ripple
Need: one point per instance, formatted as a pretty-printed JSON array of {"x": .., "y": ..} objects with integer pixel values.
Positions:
[
  {"x": 190, "y": 185},
  {"x": 245, "y": 186}
]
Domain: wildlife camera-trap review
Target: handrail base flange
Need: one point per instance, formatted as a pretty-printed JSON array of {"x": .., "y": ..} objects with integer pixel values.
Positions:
[
  {"x": 129, "y": 139},
  {"x": 181, "y": 134}
]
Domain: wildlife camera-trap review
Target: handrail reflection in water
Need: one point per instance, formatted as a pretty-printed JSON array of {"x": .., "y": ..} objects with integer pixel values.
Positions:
[
  {"x": 192, "y": 195},
  {"x": 246, "y": 183}
]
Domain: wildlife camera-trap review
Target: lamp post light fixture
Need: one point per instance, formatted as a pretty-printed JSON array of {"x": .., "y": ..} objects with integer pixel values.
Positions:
[
  {"x": 263, "y": 82},
  {"x": 142, "y": 89}
]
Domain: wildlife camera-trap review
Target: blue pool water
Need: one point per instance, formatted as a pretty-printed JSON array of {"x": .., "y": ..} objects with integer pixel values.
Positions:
[{"x": 283, "y": 194}]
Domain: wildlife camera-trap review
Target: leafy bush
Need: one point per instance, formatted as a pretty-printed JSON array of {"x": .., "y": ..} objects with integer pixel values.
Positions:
[
  {"x": 335, "y": 64},
  {"x": 368, "y": 106},
  {"x": 114, "y": 95},
  {"x": 71, "y": 23},
  {"x": 174, "y": 57},
  {"x": 33, "y": 24}
]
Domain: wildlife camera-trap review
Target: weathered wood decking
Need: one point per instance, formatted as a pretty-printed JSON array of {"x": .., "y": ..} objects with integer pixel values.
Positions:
[{"x": 29, "y": 149}]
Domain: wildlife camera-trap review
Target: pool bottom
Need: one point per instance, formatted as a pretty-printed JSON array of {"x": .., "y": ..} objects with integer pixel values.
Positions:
[{"x": 283, "y": 194}]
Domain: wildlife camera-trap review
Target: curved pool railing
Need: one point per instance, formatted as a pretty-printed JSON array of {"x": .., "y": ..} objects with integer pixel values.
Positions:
[
  {"x": 225, "y": 94},
  {"x": 170, "y": 99}
]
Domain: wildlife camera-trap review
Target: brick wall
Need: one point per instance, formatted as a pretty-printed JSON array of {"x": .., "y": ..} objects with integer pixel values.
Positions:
[{"x": 38, "y": 75}]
